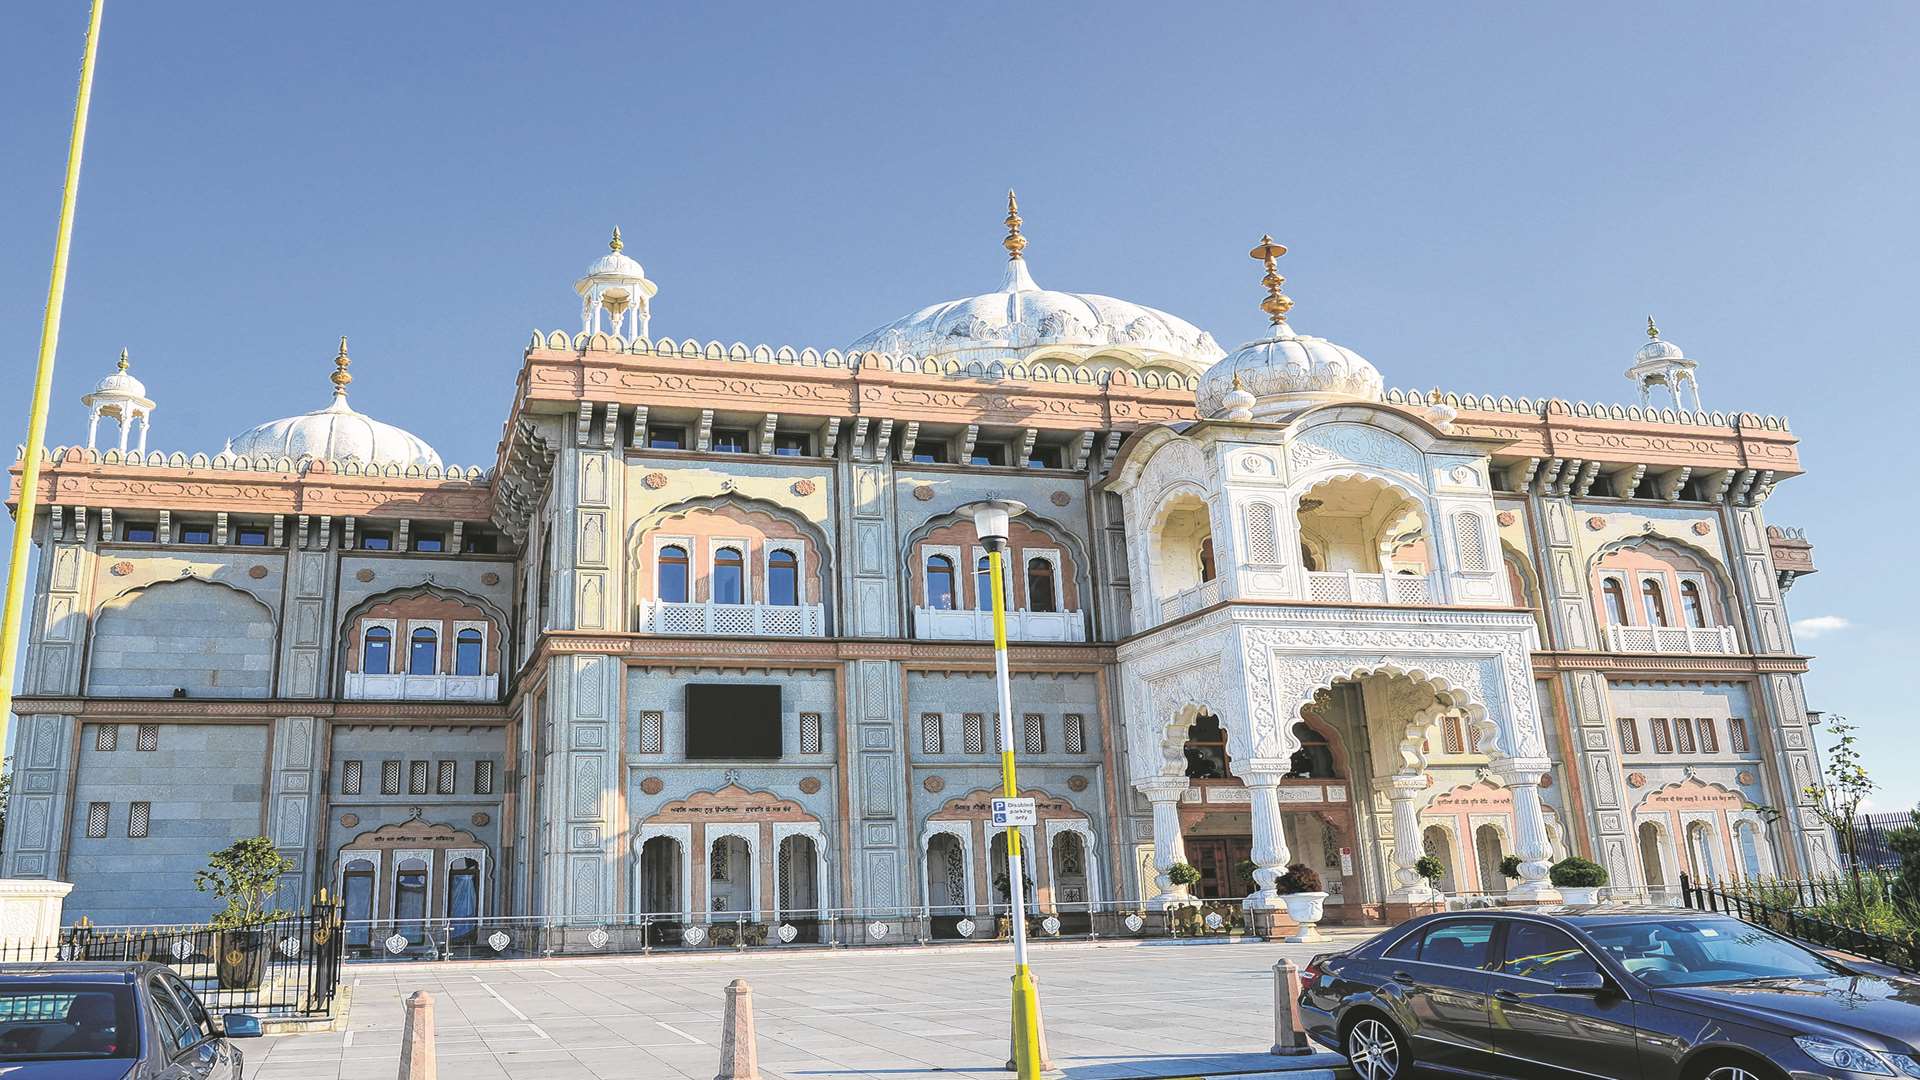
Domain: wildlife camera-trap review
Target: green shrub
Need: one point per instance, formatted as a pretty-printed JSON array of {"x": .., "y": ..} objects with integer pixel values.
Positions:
[
  {"x": 1430, "y": 868},
  {"x": 1299, "y": 878},
  {"x": 1181, "y": 873},
  {"x": 1510, "y": 868},
  {"x": 1574, "y": 872}
]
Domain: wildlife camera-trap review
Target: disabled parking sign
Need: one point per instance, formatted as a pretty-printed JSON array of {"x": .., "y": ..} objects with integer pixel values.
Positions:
[{"x": 1013, "y": 813}]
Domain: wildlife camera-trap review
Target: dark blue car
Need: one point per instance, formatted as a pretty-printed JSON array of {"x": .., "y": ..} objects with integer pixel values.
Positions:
[{"x": 86, "y": 1021}]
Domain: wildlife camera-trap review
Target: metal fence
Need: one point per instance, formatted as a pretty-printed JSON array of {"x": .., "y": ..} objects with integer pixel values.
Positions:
[
  {"x": 287, "y": 967},
  {"x": 647, "y": 934},
  {"x": 1774, "y": 910}
]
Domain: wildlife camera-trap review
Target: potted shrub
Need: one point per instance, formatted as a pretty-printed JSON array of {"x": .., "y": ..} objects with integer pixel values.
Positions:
[
  {"x": 1430, "y": 870},
  {"x": 244, "y": 876},
  {"x": 1510, "y": 869},
  {"x": 1579, "y": 880},
  {"x": 1182, "y": 875},
  {"x": 1300, "y": 889}
]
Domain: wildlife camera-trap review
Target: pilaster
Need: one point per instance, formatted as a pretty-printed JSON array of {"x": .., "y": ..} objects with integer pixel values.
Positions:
[
  {"x": 37, "y": 817},
  {"x": 58, "y": 632},
  {"x": 580, "y": 867},
  {"x": 293, "y": 801},
  {"x": 871, "y": 573},
  {"x": 305, "y": 642},
  {"x": 878, "y": 803}
]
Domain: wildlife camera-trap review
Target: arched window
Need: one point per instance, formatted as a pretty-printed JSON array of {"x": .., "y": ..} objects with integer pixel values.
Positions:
[
  {"x": 983, "y": 586},
  {"x": 1654, "y": 602},
  {"x": 1206, "y": 749},
  {"x": 1206, "y": 559},
  {"x": 673, "y": 574},
  {"x": 1653, "y": 863},
  {"x": 1616, "y": 597},
  {"x": 940, "y": 584},
  {"x": 1040, "y": 585},
  {"x": 423, "y": 652},
  {"x": 1692, "y": 604},
  {"x": 466, "y": 652},
  {"x": 783, "y": 578},
  {"x": 729, "y": 576},
  {"x": 1314, "y": 759},
  {"x": 463, "y": 898},
  {"x": 1749, "y": 841},
  {"x": 376, "y": 652},
  {"x": 1700, "y": 851}
]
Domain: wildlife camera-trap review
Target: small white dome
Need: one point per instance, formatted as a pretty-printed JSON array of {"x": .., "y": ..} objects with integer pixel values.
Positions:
[
  {"x": 615, "y": 264},
  {"x": 335, "y": 433},
  {"x": 1289, "y": 369},
  {"x": 120, "y": 384},
  {"x": 616, "y": 275},
  {"x": 1658, "y": 350}
]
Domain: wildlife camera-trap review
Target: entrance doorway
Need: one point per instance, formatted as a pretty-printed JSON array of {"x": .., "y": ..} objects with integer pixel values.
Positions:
[{"x": 1217, "y": 859}]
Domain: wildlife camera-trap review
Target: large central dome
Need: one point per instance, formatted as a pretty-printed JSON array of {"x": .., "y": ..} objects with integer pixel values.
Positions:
[
  {"x": 1021, "y": 319},
  {"x": 335, "y": 433}
]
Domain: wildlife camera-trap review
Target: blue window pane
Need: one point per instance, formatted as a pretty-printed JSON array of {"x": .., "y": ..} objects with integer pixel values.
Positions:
[
  {"x": 673, "y": 574},
  {"x": 423, "y": 657},
  {"x": 466, "y": 653},
  {"x": 376, "y": 657},
  {"x": 729, "y": 577}
]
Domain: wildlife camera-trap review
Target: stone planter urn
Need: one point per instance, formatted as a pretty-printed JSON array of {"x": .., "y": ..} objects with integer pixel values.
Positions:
[
  {"x": 1573, "y": 895},
  {"x": 1306, "y": 909}
]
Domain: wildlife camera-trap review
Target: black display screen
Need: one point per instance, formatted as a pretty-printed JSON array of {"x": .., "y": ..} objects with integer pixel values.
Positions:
[{"x": 727, "y": 721}]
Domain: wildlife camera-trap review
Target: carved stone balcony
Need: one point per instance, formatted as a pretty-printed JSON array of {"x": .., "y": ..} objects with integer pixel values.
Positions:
[
  {"x": 1673, "y": 639},
  {"x": 1348, "y": 587},
  {"x": 404, "y": 687},
  {"x": 965, "y": 624},
  {"x": 1186, "y": 602},
  {"x": 765, "y": 620}
]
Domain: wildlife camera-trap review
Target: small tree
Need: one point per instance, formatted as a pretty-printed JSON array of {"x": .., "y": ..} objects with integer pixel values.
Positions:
[
  {"x": 1181, "y": 873},
  {"x": 1510, "y": 868},
  {"x": 245, "y": 876},
  {"x": 1431, "y": 869},
  {"x": 1837, "y": 797}
]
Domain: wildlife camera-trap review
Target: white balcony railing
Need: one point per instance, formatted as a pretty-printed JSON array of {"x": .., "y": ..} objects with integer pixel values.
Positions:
[
  {"x": 1349, "y": 587},
  {"x": 1186, "y": 602},
  {"x": 403, "y": 687},
  {"x": 770, "y": 620},
  {"x": 964, "y": 624},
  {"x": 1672, "y": 639}
]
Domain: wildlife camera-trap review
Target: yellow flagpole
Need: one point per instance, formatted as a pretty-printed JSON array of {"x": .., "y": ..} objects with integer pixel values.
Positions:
[{"x": 43, "y": 385}]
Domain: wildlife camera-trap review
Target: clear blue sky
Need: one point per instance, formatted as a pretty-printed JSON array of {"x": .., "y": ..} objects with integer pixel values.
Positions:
[{"x": 1485, "y": 198}]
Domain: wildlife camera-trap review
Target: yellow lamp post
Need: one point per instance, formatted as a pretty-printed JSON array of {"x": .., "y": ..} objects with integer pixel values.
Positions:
[
  {"x": 990, "y": 519},
  {"x": 43, "y": 384}
]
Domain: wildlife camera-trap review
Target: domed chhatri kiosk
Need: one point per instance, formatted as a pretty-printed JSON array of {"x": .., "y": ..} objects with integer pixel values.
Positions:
[{"x": 707, "y": 642}]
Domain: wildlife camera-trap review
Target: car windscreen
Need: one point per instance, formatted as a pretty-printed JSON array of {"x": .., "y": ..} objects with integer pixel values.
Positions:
[
  {"x": 1695, "y": 952},
  {"x": 41, "y": 1021}
]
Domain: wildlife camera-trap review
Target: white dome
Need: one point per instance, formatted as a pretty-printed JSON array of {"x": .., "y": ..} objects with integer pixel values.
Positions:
[
  {"x": 336, "y": 433},
  {"x": 1022, "y": 318},
  {"x": 1290, "y": 369},
  {"x": 615, "y": 264},
  {"x": 1658, "y": 350},
  {"x": 119, "y": 385}
]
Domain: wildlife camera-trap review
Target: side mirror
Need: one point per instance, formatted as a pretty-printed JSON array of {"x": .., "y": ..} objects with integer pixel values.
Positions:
[
  {"x": 1580, "y": 982},
  {"x": 240, "y": 1026}
]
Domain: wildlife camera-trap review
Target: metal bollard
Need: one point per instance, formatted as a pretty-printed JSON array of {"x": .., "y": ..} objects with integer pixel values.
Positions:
[
  {"x": 1039, "y": 1036},
  {"x": 739, "y": 1057},
  {"x": 416, "y": 1042},
  {"x": 1289, "y": 1030}
]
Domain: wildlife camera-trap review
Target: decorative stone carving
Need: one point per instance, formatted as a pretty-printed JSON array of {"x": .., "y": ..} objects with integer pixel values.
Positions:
[
  {"x": 803, "y": 486},
  {"x": 1701, "y": 528},
  {"x": 121, "y": 568},
  {"x": 923, "y": 492},
  {"x": 363, "y": 576},
  {"x": 652, "y": 785},
  {"x": 348, "y": 821},
  {"x": 1076, "y": 783},
  {"x": 481, "y": 819},
  {"x": 1596, "y": 523},
  {"x": 1507, "y": 518},
  {"x": 654, "y": 481},
  {"x": 1636, "y": 779},
  {"x": 1744, "y": 777},
  {"x": 810, "y": 785},
  {"x": 934, "y": 784},
  {"x": 489, "y": 578},
  {"x": 1059, "y": 498},
  {"x": 256, "y": 572}
]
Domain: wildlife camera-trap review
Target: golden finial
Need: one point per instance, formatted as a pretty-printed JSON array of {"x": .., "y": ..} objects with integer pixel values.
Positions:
[
  {"x": 1236, "y": 381},
  {"x": 123, "y": 359},
  {"x": 1277, "y": 303},
  {"x": 340, "y": 378},
  {"x": 615, "y": 243},
  {"x": 1014, "y": 243},
  {"x": 1653, "y": 332}
]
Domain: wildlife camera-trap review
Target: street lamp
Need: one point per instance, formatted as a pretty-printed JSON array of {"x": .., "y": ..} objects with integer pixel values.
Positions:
[{"x": 990, "y": 520}]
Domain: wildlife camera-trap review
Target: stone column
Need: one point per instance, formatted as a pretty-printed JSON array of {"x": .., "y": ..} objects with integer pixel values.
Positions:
[
  {"x": 1530, "y": 843},
  {"x": 93, "y": 427},
  {"x": 1168, "y": 848},
  {"x": 1269, "y": 839},
  {"x": 1408, "y": 886}
]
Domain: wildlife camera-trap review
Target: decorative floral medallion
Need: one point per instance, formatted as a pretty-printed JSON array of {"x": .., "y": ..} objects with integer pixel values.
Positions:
[
  {"x": 481, "y": 819},
  {"x": 597, "y": 937},
  {"x": 363, "y": 576},
  {"x": 966, "y": 927},
  {"x": 1701, "y": 528},
  {"x": 1505, "y": 517},
  {"x": 652, "y": 785},
  {"x": 1076, "y": 783},
  {"x": 290, "y": 947},
  {"x": 1596, "y": 523},
  {"x": 348, "y": 821},
  {"x": 803, "y": 486},
  {"x": 121, "y": 568},
  {"x": 257, "y": 572},
  {"x": 876, "y": 930},
  {"x": 498, "y": 940},
  {"x": 1546, "y": 781},
  {"x": 934, "y": 784},
  {"x": 397, "y": 944},
  {"x": 1637, "y": 780},
  {"x": 1214, "y": 921},
  {"x": 694, "y": 935},
  {"x": 489, "y": 578},
  {"x": 654, "y": 480},
  {"x": 809, "y": 785},
  {"x": 182, "y": 948},
  {"x": 788, "y": 932},
  {"x": 1051, "y": 924},
  {"x": 1744, "y": 777},
  {"x": 1059, "y": 498},
  {"x": 923, "y": 492},
  {"x": 1135, "y": 922}
]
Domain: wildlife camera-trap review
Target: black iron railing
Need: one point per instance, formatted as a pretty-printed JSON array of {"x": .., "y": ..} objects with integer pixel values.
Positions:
[
  {"x": 288, "y": 966},
  {"x": 1773, "y": 910}
]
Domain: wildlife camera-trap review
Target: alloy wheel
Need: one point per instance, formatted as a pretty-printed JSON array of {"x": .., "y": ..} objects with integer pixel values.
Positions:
[
  {"x": 1374, "y": 1052},
  {"x": 1731, "y": 1072}
]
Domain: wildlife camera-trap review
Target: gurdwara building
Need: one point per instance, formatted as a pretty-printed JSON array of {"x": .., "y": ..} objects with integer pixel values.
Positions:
[{"x": 708, "y": 639}]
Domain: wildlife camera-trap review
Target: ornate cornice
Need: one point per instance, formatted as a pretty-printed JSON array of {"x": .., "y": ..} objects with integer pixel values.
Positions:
[
  {"x": 250, "y": 710},
  {"x": 71, "y": 480},
  {"x": 1644, "y": 664},
  {"x": 733, "y": 651}
]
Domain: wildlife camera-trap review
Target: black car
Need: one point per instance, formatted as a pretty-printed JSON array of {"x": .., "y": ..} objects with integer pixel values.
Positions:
[
  {"x": 96, "y": 1021},
  {"x": 1624, "y": 993}
]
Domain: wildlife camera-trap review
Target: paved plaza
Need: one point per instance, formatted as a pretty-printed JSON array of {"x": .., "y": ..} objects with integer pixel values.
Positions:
[{"x": 1112, "y": 1010}]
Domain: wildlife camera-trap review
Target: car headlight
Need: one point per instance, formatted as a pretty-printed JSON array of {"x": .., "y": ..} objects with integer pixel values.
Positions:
[
  {"x": 1839, "y": 1055},
  {"x": 1906, "y": 1065}
]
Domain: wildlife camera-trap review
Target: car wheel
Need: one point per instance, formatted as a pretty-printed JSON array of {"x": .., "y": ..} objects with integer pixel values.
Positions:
[
  {"x": 1376, "y": 1051},
  {"x": 1733, "y": 1068}
]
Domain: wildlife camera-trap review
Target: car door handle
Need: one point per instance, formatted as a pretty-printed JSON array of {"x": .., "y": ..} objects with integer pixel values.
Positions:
[
  {"x": 1506, "y": 995},
  {"x": 1404, "y": 978}
]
